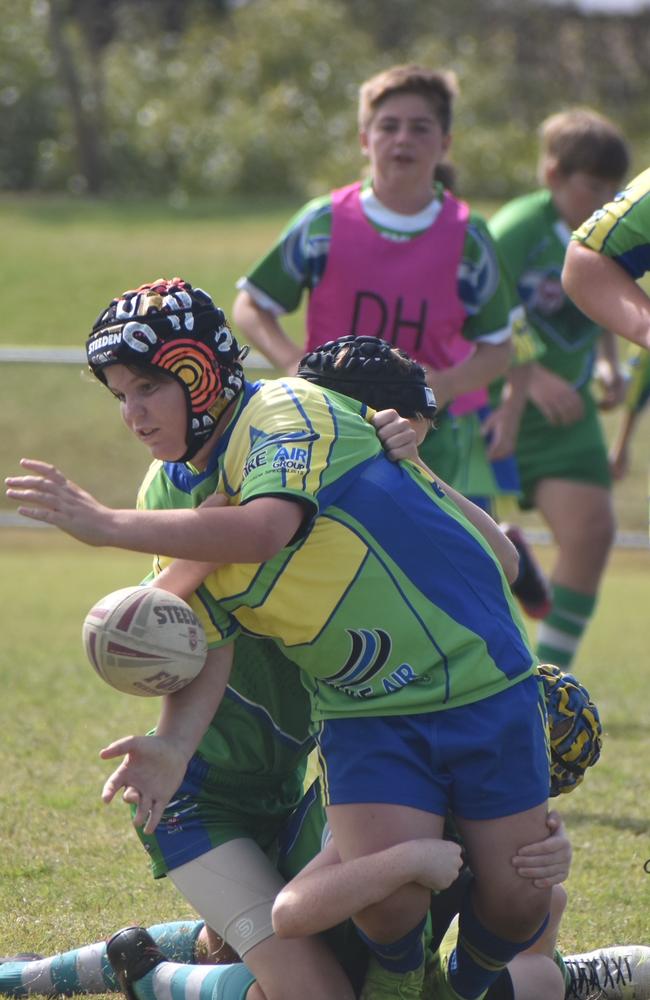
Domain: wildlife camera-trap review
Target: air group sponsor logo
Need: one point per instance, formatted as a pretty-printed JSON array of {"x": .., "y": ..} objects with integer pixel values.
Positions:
[
  {"x": 290, "y": 459},
  {"x": 369, "y": 653}
]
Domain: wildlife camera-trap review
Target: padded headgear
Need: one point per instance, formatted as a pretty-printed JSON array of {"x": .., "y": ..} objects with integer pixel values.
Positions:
[
  {"x": 575, "y": 729},
  {"x": 169, "y": 325},
  {"x": 374, "y": 372}
]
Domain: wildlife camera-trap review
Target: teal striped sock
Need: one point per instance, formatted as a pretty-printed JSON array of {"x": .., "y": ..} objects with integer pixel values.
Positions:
[
  {"x": 87, "y": 969},
  {"x": 559, "y": 635},
  {"x": 177, "y": 939},
  {"x": 84, "y": 970},
  {"x": 170, "y": 981}
]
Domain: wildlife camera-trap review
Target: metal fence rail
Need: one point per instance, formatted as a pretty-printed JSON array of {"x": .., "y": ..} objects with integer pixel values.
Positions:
[{"x": 77, "y": 356}]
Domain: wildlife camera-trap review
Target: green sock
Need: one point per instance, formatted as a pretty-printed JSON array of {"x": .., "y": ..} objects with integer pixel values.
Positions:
[
  {"x": 559, "y": 635},
  {"x": 559, "y": 961}
]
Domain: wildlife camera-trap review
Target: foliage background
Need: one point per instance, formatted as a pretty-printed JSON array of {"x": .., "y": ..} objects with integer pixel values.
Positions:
[{"x": 188, "y": 97}]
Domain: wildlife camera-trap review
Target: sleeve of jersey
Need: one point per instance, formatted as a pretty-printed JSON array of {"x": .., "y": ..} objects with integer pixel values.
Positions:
[
  {"x": 219, "y": 625},
  {"x": 295, "y": 262},
  {"x": 292, "y": 444},
  {"x": 638, "y": 389},
  {"x": 483, "y": 288},
  {"x": 621, "y": 229}
]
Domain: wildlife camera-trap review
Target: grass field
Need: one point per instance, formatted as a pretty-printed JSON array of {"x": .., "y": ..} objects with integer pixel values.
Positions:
[{"x": 71, "y": 870}]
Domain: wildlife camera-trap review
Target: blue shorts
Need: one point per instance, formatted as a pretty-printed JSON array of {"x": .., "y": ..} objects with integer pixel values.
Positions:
[{"x": 481, "y": 761}]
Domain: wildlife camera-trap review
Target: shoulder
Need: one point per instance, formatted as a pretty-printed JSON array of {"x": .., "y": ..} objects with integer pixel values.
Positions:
[
  {"x": 521, "y": 213},
  {"x": 311, "y": 214},
  {"x": 284, "y": 401},
  {"x": 626, "y": 218}
]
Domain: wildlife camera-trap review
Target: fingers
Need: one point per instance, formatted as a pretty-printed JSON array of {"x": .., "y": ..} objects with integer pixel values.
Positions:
[
  {"x": 142, "y": 813},
  {"x": 546, "y": 883},
  {"x": 383, "y": 417},
  {"x": 544, "y": 849},
  {"x": 118, "y": 747},
  {"x": 44, "y": 469},
  {"x": 111, "y": 786},
  {"x": 554, "y": 820},
  {"x": 41, "y": 490},
  {"x": 155, "y": 814}
]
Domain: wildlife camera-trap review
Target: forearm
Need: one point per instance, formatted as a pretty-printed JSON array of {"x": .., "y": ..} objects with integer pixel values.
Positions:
[
  {"x": 625, "y": 431},
  {"x": 485, "y": 364},
  {"x": 515, "y": 391},
  {"x": 183, "y": 577},
  {"x": 251, "y": 533},
  {"x": 261, "y": 329},
  {"x": 606, "y": 293},
  {"x": 186, "y": 715},
  {"x": 326, "y": 896},
  {"x": 608, "y": 348}
]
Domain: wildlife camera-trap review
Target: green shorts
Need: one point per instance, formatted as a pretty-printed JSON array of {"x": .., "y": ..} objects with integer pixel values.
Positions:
[
  {"x": 455, "y": 451},
  {"x": 577, "y": 453},
  {"x": 208, "y": 811}
]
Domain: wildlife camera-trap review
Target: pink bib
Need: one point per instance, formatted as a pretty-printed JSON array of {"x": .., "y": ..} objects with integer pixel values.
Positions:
[{"x": 405, "y": 291}]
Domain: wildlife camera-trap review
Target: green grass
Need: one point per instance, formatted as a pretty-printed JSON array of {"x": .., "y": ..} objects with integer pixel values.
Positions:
[
  {"x": 72, "y": 870},
  {"x": 66, "y": 259}
]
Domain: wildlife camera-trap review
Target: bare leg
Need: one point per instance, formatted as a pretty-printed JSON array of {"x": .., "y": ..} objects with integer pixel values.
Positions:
[
  {"x": 534, "y": 974},
  {"x": 365, "y": 828},
  {"x": 507, "y": 904},
  {"x": 581, "y": 518}
]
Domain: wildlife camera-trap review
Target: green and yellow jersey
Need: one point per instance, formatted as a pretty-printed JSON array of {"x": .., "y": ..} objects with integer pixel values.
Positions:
[{"x": 389, "y": 601}]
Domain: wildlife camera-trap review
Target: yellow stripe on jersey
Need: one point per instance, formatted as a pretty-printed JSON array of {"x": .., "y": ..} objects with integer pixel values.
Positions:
[
  {"x": 312, "y": 570},
  {"x": 296, "y": 415},
  {"x": 596, "y": 230},
  {"x": 152, "y": 472}
]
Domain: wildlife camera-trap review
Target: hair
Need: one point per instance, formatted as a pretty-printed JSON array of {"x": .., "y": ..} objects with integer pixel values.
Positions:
[
  {"x": 580, "y": 139},
  {"x": 373, "y": 372},
  {"x": 437, "y": 87}
]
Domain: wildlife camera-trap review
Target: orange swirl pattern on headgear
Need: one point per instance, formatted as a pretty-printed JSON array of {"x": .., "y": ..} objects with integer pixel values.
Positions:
[{"x": 193, "y": 363}]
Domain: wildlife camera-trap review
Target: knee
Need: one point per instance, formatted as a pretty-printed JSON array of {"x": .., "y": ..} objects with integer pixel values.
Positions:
[
  {"x": 395, "y": 916},
  {"x": 521, "y": 914}
]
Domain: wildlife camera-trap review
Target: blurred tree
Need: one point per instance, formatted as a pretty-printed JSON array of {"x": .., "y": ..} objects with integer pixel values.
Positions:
[
  {"x": 181, "y": 97},
  {"x": 264, "y": 104}
]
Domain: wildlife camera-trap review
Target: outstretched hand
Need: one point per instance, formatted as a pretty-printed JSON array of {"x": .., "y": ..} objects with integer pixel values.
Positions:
[
  {"x": 547, "y": 862},
  {"x": 46, "y": 495},
  {"x": 150, "y": 773}
]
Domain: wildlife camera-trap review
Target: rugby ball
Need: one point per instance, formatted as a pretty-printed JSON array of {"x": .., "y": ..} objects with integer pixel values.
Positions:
[{"x": 144, "y": 641}]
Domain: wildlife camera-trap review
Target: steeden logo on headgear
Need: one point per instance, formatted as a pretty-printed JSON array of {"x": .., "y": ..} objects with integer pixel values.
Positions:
[{"x": 137, "y": 336}]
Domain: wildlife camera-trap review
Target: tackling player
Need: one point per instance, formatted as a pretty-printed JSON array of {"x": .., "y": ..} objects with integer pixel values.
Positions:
[{"x": 370, "y": 579}]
